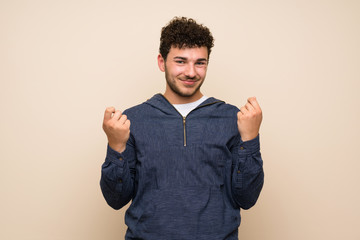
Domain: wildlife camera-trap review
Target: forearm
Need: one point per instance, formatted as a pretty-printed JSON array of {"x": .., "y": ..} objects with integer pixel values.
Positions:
[
  {"x": 248, "y": 174},
  {"x": 117, "y": 181}
]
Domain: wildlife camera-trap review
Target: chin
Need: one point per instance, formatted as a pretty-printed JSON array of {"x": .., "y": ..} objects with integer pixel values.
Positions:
[{"x": 188, "y": 94}]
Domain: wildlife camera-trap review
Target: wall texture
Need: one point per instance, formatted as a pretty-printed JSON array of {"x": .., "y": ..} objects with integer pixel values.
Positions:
[{"x": 63, "y": 62}]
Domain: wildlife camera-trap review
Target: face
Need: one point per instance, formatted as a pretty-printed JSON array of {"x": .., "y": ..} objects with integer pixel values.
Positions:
[{"x": 185, "y": 71}]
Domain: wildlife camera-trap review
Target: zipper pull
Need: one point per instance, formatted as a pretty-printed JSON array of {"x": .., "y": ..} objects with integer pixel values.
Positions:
[{"x": 184, "y": 123}]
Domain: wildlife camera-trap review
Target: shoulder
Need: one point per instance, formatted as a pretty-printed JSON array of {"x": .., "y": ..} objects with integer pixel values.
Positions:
[
  {"x": 223, "y": 106},
  {"x": 136, "y": 110},
  {"x": 230, "y": 107},
  {"x": 145, "y": 109}
]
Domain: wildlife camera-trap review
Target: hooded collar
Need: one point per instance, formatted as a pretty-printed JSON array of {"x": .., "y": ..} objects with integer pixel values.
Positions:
[{"x": 160, "y": 102}]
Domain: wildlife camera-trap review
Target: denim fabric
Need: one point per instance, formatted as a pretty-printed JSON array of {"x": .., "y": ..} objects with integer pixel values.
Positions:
[{"x": 187, "y": 179}]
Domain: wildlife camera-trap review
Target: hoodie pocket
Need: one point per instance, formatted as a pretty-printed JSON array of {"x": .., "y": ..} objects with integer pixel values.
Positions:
[{"x": 188, "y": 211}]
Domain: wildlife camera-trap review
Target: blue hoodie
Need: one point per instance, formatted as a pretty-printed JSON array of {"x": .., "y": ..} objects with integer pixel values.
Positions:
[{"x": 187, "y": 177}]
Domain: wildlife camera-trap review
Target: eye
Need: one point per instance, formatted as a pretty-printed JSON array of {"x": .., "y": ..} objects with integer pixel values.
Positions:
[{"x": 200, "y": 63}]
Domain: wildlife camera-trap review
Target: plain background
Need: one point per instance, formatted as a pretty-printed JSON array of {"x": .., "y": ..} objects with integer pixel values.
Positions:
[{"x": 63, "y": 62}]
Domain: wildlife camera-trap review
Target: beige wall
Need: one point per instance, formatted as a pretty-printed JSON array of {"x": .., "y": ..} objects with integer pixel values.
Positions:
[{"x": 63, "y": 62}]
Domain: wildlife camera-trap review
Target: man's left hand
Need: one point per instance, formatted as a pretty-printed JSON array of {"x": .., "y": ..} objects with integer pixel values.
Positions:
[{"x": 249, "y": 119}]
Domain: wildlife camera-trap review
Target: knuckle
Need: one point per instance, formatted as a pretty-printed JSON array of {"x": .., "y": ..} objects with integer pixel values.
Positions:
[{"x": 109, "y": 109}]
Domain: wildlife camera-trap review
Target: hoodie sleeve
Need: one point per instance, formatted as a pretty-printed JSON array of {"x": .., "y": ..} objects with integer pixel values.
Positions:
[
  {"x": 118, "y": 176},
  {"x": 248, "y": 174}
]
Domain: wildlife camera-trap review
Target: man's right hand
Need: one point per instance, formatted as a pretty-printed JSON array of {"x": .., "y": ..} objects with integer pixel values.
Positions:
[{"x": 117, "y": 129}]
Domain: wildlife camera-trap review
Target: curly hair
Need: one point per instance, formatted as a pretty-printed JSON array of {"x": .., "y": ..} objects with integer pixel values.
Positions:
[{"x": 184, "y": 32}]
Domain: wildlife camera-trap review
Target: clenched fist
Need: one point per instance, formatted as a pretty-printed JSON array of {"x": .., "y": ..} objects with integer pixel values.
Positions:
[
  {"x": 249, "y": 119},
  {"x": 117, "y": 129}
]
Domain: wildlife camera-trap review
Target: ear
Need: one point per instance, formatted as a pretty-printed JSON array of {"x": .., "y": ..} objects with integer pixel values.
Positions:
[{"x": 161, "y": 63}]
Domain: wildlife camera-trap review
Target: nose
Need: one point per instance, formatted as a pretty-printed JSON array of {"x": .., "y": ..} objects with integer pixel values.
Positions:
[{"x": 190, "y": 71}]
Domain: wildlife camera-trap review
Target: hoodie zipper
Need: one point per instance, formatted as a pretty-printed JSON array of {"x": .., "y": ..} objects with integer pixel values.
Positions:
[
  {"x": 184, "y": 118},
  {"x": 184, "y": 124}
]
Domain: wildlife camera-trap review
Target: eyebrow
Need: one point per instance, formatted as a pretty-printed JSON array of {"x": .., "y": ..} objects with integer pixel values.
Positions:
[{"x": 184, "y": 58}]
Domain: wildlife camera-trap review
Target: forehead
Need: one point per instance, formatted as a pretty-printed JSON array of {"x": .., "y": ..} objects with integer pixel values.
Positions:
[{"x": 189, "y": 53}]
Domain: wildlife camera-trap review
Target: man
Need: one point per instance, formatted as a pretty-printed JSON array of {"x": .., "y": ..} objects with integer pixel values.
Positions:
[{"x": 188, "y": 162}]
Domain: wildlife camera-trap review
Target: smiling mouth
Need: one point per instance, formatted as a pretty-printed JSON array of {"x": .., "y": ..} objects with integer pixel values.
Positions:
[{"x": 189, "y": 82}]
